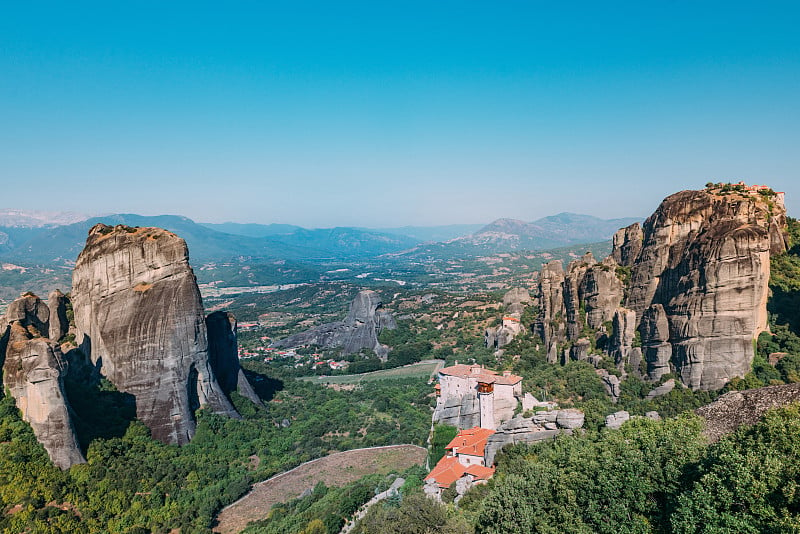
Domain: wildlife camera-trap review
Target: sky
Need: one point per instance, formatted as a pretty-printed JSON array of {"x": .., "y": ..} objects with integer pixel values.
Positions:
[{"x": 393, "y": 113}]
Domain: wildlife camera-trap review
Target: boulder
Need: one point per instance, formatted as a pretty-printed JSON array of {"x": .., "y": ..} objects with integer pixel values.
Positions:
[
  {"x": 663, "y": 389},
  {"x": 617, "y": 419},
  {"x": 570, "y": 418},
  {"x": 516, "y": 430},
  {"x": 611, "y": 383}
]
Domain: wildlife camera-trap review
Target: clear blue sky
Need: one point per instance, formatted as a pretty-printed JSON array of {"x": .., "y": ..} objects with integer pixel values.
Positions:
[{"x": 391, "y": 113}]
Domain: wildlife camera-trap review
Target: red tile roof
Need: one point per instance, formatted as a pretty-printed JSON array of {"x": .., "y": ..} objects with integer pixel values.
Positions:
[
  {"x": 480, "y": 374},
  {"x": 480, "y": 472},
  {"x": 447, "y": 471},
  {"x": 471, "y": 441}
]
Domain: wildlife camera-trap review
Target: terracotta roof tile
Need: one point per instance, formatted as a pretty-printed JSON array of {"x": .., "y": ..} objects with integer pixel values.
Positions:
[
  {"x": 447, "y": 471},
  {"x": 480, "y": 472},
  {"x": 480, "y": 374},
  {"x": 471, "y": 441}
]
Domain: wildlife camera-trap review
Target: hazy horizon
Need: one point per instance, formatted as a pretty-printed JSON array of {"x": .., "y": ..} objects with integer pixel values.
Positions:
[{"x": 361, "y": 114}]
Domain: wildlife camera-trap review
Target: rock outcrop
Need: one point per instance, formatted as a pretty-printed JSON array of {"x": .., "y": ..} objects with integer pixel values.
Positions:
[
  {"x": 540, "y": 427},
  {"x": 661, "y": 390},
  {"x": 516, "y": 430},
  {"x": 359, "y": 330},
  {"x": 550, "y": 324},
  {"x": 601, "y": 292},
  {"x": 627, "y": 243},
  {"x": 32, "y": 313},
  {"x": 617, "y": 419},
  {"x": 692, "y": 281},
  {"x": 459, "y": 411},
  {"x": 33, "y": 373},
  {"x": 623, "y": 336},
  {"x": 737, "y": 408},
  {"x": 223, "y": 355},
  {"x": 59, "y": 324},
  {"x": 140, "y": 320},
  {"x": 705, "y": 260},
  {"x": 514, "y": 302}
]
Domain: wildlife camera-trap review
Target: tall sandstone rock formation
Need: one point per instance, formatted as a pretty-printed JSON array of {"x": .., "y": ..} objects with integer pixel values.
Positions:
[
  {"x": 705, "y": 261},
  {"x": 33, "y": 373},
  {"x": 139, "y": 319},
  {"x": 693, "y": 281}
]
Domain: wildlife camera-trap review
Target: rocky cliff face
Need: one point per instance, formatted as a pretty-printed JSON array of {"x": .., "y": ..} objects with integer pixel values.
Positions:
[
  {"x": 627, "y": 244},
  {"x": 550, "y": 324},
  {"x": 601, "y": 292},
  {"x": 693, "y": 283},
  {"x": 33, "y": 373},
  {"x": 59, "y": 324},
  {"x": 223, "y": 354},
  {"x": 139, "y": 319},
  {"x": 705, "y": 260},
  {"x": 588, "y": 294},
  {"x": 359, "y": 330}
]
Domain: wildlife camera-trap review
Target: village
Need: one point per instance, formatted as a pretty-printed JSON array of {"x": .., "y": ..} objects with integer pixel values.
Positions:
[{"x": 290, "y": 357}]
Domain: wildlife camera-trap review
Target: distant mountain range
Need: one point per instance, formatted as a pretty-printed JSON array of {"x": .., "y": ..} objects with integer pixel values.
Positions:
[
  {"x": 37, "y": 239},
  {"x": 37, "y": 219},
  {"x": 509, "y": 235}
]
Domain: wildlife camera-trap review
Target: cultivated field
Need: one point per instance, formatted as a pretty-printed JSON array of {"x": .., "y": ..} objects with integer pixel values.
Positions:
[
  {"x": 427, "y": 368},
  {"x": 336, "y": 469}
]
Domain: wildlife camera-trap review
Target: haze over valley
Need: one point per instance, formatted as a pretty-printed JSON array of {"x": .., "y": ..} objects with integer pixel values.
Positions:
[{"x": 366, "y": 268}]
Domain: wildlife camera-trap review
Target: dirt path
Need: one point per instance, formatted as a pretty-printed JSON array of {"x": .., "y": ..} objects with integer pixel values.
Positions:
[{"x": 336, "y": 469}]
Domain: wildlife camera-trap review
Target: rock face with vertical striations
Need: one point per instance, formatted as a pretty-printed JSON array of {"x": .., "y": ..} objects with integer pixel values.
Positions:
[
  {"x": 705, "y": 260},
  {"x": 693, "y": 283},
  {"x": 59, "y": 324},
  {"x": 359, "y": 330},
  {"x": 223, "y": 354},
  {"x": 550, "y": 324},
  {"x": 627, "y": 243},
  {"x": 139, "y": 319},
  {"x": 602, "y": 292},
  {"x": 33, "y": 372}
]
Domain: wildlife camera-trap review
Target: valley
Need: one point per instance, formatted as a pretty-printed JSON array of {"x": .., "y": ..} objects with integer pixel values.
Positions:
[{"x": 301, "y": 361}]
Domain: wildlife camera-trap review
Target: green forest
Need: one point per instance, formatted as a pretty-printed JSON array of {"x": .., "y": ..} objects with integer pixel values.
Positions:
[{"x": 132, "y": 483}]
